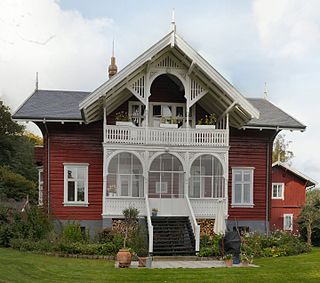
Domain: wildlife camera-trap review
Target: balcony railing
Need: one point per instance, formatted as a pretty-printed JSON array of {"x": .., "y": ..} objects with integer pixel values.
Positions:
[{"x": 166, "y": 136}]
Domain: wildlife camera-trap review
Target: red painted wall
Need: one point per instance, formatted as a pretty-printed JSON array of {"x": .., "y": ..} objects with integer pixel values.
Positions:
[
  {"x": 74, "y": 143},
  {"x": 249, "y": 148},
  {"x": 294, "y": 197}
]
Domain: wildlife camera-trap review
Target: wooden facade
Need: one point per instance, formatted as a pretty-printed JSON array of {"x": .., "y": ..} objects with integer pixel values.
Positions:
[{"x": 294, "y": 197}]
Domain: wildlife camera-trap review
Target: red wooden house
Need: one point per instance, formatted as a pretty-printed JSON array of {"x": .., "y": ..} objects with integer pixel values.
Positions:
[
  {"x": 288, "y": 196},
  {"x": 94, "y": 167}
]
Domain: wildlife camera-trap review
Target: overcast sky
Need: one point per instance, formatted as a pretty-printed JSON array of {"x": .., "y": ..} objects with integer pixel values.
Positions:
[{"x": 249, "y": 42}]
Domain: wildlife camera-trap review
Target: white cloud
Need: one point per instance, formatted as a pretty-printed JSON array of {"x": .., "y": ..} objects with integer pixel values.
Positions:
[
  {"x": 38, "y": 36},
  {"x": 287, "y": 28}
]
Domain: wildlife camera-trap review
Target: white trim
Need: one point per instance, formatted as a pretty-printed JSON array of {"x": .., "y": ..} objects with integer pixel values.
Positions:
[
  {"x": 44, "y": 120},
  {"x": 282, "y": 191},
  {"x": 40, "y": 185},
  {"x": 243, "y": 170},
  {"x": 66, "y": 202},
  {"x": 285, "y": 215},
  {"x": 278, "y": 128}
]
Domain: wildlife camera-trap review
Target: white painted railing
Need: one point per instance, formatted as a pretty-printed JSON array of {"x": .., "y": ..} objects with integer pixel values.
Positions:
[
  {"x": 194, "y": 224},
  {"x": 150, "y": 226},
  {"x": 115, "y": 205},
  {"x": 206, "y": 207},
  {"x": 166, "y": 136}
]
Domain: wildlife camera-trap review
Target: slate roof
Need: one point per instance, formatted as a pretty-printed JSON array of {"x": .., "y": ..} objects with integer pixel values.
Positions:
[
  {"x": 52, "y": 105},
  {"x": 64, "y": 105},
  {"x": 272, "y": 116}
]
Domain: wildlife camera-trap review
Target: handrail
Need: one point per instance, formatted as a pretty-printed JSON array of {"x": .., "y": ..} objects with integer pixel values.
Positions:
[
  {"x": 194, "y": 224},
  {"x": 150, "y": 226}
]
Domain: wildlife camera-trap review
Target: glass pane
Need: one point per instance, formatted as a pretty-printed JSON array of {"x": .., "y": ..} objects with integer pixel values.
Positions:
[
  {"x": 135, "y": 186},
  {"x": 153, "y": 179},
  {"x": 195, "y": 187},
  {"x": 166, "y": 162},
  {"x": 207, "y": 182},
  {"x": 80, "y": 191},
  {"x": 177, "y": 166},
  {"x": 125, "y": 163},
  {"x": 195, "y": 168},
  {"x": 179, "y": 112},
  {"x": 81, "y": 173},
  {"x": 246, "y": 193},
  {"x": 71, "y": 191},
  {"x": 41, "y": 176},
  {"x": 155, "y": 166},
  {"x": 124, "y": 185},
  {"x": 247, "y": 177},
  {"x": 206, "y": 165},
  {"x": 238, "y": 177},
  {"x": 274, "y": 191},
  {"x": 156, "y": 110},
  {"x": 72, "y": 173},
  {"x": 166, "y": 185},
  {"x": 177, "y": 185},
  {"x": 112, "y": 188},
  {"x": 113, "y": 166},
  {"x": 137, "y": 167},
  {"x": 237, "y": 193}
]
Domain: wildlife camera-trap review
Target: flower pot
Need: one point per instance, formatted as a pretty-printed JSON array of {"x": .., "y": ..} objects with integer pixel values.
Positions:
[
  {"x": 205, "y": 126},
  {"x": 228, "y": 262},
  {"x": 154, "y": 213},
  {"x": 124, "y": 258},
  {"x": 171, "y": 126},
  {"x": 124, "y": 123},
  {"x": 245, "y": 263}
]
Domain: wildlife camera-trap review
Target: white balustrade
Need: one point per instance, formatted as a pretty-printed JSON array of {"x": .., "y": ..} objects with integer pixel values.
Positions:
[
  {"x": 194, "y": 224},
  {"x": 115, "y": 205},
  {"x": 150, "y": 226},
  {"x": 166, "y": 136},
  {"x": 206, "y": 207}
]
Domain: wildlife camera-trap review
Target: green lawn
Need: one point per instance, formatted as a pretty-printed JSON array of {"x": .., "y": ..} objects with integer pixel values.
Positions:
[{"x": 27, "y": 267}]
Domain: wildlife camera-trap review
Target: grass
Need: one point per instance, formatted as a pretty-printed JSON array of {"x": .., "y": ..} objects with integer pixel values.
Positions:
[{"x": 18, "y": 266}]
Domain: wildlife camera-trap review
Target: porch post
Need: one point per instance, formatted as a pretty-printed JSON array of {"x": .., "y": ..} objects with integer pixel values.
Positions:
[{"x": 104, "y": 177}]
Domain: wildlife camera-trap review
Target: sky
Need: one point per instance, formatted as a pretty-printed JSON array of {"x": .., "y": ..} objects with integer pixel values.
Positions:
[{"x": 69, "y": 42}]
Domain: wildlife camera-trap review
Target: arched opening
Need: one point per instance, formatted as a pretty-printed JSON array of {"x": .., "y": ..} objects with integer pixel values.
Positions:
[
  {"x": 206, "y": 178},
  {"x": 166, "y": 177},
  {"x": 125, "y": 176},
  {"x": 167, "y": 101}
]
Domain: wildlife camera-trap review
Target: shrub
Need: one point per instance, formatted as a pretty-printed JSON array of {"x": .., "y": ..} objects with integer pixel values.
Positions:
[
  {"x": 72, "y": 233},
  {"x": 209, "y": 247},
  {"x": 138, "y": 241}
]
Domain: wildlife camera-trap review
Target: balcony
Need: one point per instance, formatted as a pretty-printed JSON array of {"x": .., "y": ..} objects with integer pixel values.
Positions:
[{"x": 166, "y": 136}]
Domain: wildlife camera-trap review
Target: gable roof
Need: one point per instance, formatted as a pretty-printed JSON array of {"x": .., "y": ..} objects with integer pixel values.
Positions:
[
  {"x": 192, "y": 60},
  {"x": 310, "y": 182},
  {"x": 52, "y": 105},
  {"x": 58, "y": 105},
  {"x": 272, "y": 116}
]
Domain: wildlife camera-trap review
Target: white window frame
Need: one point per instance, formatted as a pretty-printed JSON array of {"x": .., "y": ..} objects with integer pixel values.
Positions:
[
  {"x": 40, "y": 186},
  {"x": 284, "y": 221},
  {"x": 137, "y": 116},
  {"x": 242, "y": 170},
  {"x": 278, "y": 196},
  {"x": 75, "y": 203}
]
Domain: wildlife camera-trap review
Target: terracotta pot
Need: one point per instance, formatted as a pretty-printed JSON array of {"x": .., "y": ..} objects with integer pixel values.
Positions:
[
  {"x": 142, "y": 261},
  {"x": 124, "y": 258},
  {"x": 229, "y": 262}
]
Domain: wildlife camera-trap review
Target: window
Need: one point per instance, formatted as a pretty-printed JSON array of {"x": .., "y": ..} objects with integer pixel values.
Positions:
[
  {"x": 136, "y": 112},
  {"x": 278, "y": 190},
  {"x": 125, "y": 176},
  {"x": 288, "y": 222},
  {"x": 242, "y": 187},
  {"x": 40, "y": 186},
  {"x": 76, "y": 184},
  {"x": 206, "y": 178}
]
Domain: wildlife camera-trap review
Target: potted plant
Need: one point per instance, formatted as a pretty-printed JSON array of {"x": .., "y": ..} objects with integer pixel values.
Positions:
[
  {"x": 122, "y": 119},
  {"x": 245, "y": 259},
  {"x": 168, "y": 122},
  {"x": 155, "y": 211},
  {"x": 208, "y": 122},
  {"x": 124, "y": 255},
  {"x": 228, "y": 259},
  {"x": 112, "y": 191}
]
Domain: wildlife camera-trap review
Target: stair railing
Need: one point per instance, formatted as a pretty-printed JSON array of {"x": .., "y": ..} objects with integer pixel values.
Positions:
[
  {"x": 150, "y": 226},
  {"x": 194, "y": 224}
]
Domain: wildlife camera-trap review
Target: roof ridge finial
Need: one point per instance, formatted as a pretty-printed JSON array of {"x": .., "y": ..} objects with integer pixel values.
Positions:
[
  {"x": 173, "y": 22},
  {"x": 113, "y": 69},
  {"x": 37, "y": 81},
  {"x": 265, "y": 91}
]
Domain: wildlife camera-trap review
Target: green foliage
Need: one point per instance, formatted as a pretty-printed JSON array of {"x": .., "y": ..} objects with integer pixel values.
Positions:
[
  {"x": 209, "y": 247},
  {"x": 15, "y": 186},
  {"x": 208, "y": 120},
  {"x": 279, "y": 243},
  {"x": 7, "y": 125},
  {"x": 72, "y": 233},
  {"x": 309, "y": 219},
  {"x": 281, "y": 150},
  {"x": 138, "y": 241},
  {"x": 130, "y": 219}
]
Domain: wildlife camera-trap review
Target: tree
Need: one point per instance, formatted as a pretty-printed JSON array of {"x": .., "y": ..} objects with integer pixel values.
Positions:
[
  {"x": 281, "y": 150},
  {"x": 7, "y": 126},
  {"x": 309, "y": 218}
]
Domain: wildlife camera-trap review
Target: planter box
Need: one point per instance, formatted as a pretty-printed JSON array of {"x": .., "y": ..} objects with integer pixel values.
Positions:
[
  {"x": 124, "y": 123},
  {"x": 205, "y": 126},
  {"x": 171, "y": 126}
]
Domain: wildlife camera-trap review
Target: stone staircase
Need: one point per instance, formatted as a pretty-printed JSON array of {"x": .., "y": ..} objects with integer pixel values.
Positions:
[{"x": 172, "y": 236}]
